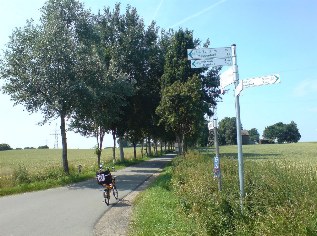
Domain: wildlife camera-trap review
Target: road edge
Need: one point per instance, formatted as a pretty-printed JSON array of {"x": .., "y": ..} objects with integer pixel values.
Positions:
[{"x": 117, "y": 219}]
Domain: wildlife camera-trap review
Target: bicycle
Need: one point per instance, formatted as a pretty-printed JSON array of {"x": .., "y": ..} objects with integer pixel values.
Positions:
[
  {"x": 108, "y": 188},
  {"x": 104, "y": 178}
]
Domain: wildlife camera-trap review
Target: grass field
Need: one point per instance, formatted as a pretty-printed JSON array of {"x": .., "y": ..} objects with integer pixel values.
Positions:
[
  {"x": 280, "y": 186},
  {"x": 33, "y": 169}
]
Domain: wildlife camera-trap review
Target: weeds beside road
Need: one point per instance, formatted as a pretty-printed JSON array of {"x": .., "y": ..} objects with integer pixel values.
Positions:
[{"x": 280, "y": 186}]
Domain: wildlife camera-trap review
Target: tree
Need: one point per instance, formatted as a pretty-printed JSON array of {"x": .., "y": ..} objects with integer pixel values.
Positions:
[
  {"x": 180, "y": 108},
  {"x": 292, "y": 133},
  {"x": 106, "y": 94},
  {"x": 227, "y": 131},
  {"x": 254, "y": 135},
  {"x": 135, "y": 50},
  {"x": 5, "y": 147},
  {"x": 41, "y": 63},
  {"x": 177, "y": 74},
  {"x": 282, "y": 132}
]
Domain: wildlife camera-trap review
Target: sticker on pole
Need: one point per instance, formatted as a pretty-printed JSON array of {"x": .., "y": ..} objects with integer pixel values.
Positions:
[{"x": 216, "y": 167}]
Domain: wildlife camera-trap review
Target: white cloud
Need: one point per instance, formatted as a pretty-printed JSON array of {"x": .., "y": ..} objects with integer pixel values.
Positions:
[{"x": 306, "y": 87}]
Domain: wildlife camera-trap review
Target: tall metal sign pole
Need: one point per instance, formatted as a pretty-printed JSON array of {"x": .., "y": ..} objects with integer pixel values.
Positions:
[{"x": 239, "y": 137}]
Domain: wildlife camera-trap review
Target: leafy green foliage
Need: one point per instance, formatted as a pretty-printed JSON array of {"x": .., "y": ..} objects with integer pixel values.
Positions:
[
  {"x": 4, "y": 147},
  {"x": 41, "y": 63},
  {"x": 254, "y": 135},
  {"x": 282, "y": 132},
  {"x": 181, "y": 107},
  {"x": 227, "y": 131}
]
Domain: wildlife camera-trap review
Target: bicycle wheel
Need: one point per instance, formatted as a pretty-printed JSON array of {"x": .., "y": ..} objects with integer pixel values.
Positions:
[
  {"x": 106, "y": 195},
  {"x": 115, "y": 192}
]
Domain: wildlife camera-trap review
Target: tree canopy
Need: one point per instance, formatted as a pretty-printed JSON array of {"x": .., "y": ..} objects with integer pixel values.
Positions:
[
  {"x": 41, "y": 63},
  {"x": 108, "y": 73},
  {"x": 227, "y": 131},
  {"x": 281, "y": 132},
  {"x": 254, "y": 135}
]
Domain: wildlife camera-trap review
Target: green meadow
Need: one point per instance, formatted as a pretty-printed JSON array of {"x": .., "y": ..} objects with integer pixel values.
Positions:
[
  {"x": 35, "y": 169},
  {"x": 280, "y": 194}
]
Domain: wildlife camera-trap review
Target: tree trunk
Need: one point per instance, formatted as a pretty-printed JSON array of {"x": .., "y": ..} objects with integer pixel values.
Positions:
[
  {"x": 134, "y": 150},
  {"x": 148, "y": 146},
  {"x": 100, "y": 137},
  {"x": 142, "y": 146},
  {"x": 114, "y": 146},
  {"x": 161, "y": 147},
  {"x": 179, "y": 144},
  {"x": 121, "y": 149},
  {"x": 64, "y": 144}
]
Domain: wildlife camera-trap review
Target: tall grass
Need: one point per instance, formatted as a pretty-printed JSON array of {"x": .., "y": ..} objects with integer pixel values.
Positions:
[
  {"x": 34, "y": 169},
  {"x": 280, "y": 187}
]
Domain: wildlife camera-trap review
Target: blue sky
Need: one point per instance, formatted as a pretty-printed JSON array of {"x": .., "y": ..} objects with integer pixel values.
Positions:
[{"x": 272, "y": 36}]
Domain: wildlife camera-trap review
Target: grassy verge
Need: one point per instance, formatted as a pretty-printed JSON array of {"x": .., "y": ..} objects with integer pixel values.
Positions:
[
  {"x": 280, "y": 187},
  {"x": 157, "y": 211}
]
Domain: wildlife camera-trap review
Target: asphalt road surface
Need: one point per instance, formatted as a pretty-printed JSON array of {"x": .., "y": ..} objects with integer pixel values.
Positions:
[{"x": 71, "y": 210}]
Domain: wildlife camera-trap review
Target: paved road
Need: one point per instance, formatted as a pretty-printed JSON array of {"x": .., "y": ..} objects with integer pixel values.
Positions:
[{"x": 71, "y": 210}]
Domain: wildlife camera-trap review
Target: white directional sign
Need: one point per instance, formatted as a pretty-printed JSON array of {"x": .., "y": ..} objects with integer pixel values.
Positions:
[
  {"x": 211, "y": 62},
  {"x": 226, "y": 78},
  {"x": 263, "y": 80},
  {"x": 207, "y": 53},
  {"x": 239, "y": 88}
]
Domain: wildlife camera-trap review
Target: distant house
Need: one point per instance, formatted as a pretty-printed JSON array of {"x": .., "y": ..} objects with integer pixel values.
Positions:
[
  {"x": 266, "y": 141},
  {"x": 245, "y": 137}
]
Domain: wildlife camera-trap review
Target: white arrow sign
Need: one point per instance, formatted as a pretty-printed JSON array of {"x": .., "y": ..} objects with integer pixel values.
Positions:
[
  {"x": 263, "y": 80},
  {"x": 211, "y": 62},
  {"x": 226, "y": 78},
  {"x": 239, "y": 88},
  {"x": 207, "y": 53}
]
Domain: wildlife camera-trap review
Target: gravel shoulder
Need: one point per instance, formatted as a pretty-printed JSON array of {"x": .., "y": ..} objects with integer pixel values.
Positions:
[{"x": 117, "y": 218}]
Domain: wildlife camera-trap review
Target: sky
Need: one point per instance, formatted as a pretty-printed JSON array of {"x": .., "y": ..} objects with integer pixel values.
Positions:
[{"x": 271, "y": 37}]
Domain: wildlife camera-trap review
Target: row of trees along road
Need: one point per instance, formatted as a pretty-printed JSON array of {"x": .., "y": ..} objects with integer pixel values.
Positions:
[
  {"x": 108, "y": 73},
  {"x": 279, "y": 132}
]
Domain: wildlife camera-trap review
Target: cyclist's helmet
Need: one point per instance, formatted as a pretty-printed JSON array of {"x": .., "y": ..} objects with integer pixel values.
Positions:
[{"x": 100, "y": 166}]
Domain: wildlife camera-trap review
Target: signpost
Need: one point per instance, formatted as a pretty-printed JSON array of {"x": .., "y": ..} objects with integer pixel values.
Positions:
[
  {"x": 238, "y": 125},
  {"x": 211, "y": 62},
  {"x": 204, "y": 58},
  {"x": 207, "y": 53},
  {"x": 227, "y": 56}
]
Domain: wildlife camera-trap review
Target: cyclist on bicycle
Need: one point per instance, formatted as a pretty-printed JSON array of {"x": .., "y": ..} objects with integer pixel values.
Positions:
[{"x": 104, "y": 177}]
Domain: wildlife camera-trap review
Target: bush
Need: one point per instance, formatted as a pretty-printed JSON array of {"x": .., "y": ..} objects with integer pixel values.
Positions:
[
  {"x": 43, "y": 147},
  {"x": 4, "y": 147}
]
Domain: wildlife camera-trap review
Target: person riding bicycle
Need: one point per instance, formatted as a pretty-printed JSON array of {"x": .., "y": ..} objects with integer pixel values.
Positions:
[{"x": 104, "y": 177}]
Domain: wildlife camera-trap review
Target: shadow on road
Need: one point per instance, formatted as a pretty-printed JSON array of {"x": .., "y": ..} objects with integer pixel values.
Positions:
[{"x": 130, "y": 177}]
